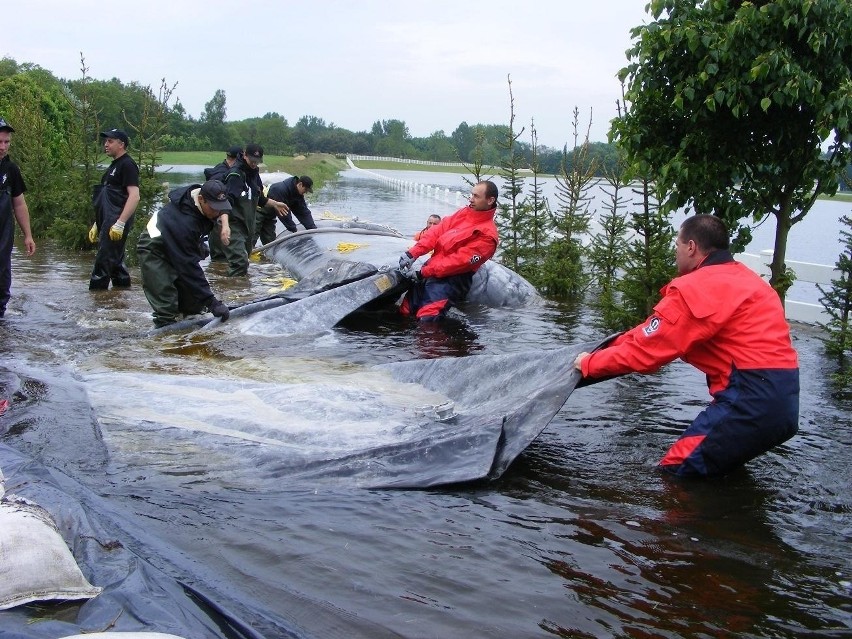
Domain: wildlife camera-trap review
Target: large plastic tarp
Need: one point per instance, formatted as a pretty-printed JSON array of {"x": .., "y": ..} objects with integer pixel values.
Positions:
[
  {"x": 304, "y": 252},
  {"x": 413, "y": 424}
]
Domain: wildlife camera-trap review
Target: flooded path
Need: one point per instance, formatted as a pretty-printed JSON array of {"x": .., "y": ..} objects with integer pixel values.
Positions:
[{"x": 580, "y": 538}]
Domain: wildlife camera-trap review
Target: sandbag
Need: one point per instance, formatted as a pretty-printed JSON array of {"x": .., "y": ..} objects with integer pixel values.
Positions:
[{"x": 35, "y": 563}]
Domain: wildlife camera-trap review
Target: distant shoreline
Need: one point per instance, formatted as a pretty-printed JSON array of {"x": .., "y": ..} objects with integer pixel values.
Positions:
[{"x": 324, "y": 166}]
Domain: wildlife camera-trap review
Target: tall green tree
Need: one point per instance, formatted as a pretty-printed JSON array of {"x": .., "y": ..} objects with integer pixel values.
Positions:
[
  {"x": 212, "y": 121},
  {"x": 511, "y": 214},
  {"x": 650, "y": 259},
  {"x": 837, "y": 302},
  {"x": 392, "y": 139},
  {"x": 37, "y": 105},
  {"x": 609, "y": 248},
  {"x": 564, "y": 274},
  {"x": 731, "y": 101}
]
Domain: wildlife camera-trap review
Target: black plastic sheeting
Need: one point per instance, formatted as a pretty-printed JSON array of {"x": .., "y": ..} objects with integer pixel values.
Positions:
[
  {"x": 501, "y": 403},
  {"x": 304, "y": 252}
]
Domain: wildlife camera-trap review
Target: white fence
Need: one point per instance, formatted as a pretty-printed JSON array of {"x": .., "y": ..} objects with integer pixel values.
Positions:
[
  {"x": 456, "y": 199},
  {"x": 377, "y": 158},
  {"x": 797, "y": 311}
]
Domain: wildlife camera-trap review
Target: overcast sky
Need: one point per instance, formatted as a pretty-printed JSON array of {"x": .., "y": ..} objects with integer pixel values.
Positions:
[{"x": 432, "y": 64}]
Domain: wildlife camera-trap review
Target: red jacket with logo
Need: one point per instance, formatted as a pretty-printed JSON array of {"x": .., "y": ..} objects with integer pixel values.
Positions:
[
  {"x": 720, "y": 316},
  {"x": 461, "y": 243}
]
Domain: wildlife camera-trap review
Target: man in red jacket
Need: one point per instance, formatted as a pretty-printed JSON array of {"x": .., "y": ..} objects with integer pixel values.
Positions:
[
  {"x": 460, "y": 244},
  {"x": 722, "y": 318}
]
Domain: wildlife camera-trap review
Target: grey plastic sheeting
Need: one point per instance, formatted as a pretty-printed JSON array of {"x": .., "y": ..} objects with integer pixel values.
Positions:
[
  {"x": 303, "y": 252},
  {"x": 486, "y": 410}
]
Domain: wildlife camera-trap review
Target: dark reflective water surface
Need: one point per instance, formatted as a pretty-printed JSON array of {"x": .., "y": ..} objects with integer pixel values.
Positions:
[{"x": 581, "y": 538}]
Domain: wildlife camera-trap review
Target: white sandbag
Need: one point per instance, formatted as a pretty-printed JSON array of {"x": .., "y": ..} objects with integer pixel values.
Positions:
[
  {"x": 35, "y": 563},
  {"x": 123, "y": 635}
]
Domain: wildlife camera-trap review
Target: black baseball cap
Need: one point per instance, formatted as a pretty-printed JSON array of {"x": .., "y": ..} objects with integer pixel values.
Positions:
[
  {"x": 254, "y": 152},
  {"x": 234, "y": 151},
  {"x": 5, "y": 126},
  {"x": 216, "y": 195},
  {"x": 307, "y": 182},
  {"x": 116, "y": 134}
]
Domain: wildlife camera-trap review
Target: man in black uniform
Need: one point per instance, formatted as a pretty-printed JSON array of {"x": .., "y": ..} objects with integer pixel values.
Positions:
[
  {"x": 115, "y": 200},
  {"x": 245, "y": 190},
  {"x": 169, "y": 252},
  {"x": 292, "y": 193},
  {"x": 12, "y": 203},
  {"x": 221, "y": 170}
]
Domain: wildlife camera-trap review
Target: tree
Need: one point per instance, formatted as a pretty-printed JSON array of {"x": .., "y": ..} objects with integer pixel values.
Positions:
[
  {"x": 563, "y": 267},
  {"x": 650, "y": 260},
  {"x": 837, "y": 302},
  {"x": 730, "y": 103},
  {"x": 392, "y": 139},
  {"x": 609, "y": 248},
  {"x": 306, "y": 133},
  {"x": 511, "y": 211},
  {"x": 42, "y": 111},
  {"x": 212, "y": 121}
]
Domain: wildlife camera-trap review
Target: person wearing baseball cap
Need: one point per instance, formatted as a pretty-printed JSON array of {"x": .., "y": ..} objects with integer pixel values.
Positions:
[
  {"x": 115, "y": 200},
  {"x": 292, "y": 193},
  {"x": 245, "y": 190},
  {"x": 170, "y": 252},
  {"x": 221, "y": 170},
  {"x": 117, "y": 134},
  {"x": 13, "y": 206}
]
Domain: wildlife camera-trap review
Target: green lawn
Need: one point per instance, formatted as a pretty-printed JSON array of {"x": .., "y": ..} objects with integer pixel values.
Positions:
[{"x": 320, "y": 166}]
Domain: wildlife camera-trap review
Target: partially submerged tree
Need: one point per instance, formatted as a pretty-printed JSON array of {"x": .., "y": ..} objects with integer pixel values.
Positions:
[
  {"x": 564, "y": 275},
  {"x": 730, "y": 103},
  {"x": 608, "y": 248},
  {"x": 511, "y": 211},
  {"x": 650, "y": 256},
  {"x": 837, "y": 302}
]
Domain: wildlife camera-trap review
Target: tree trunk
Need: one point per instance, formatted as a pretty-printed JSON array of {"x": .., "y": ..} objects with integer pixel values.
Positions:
[{"x": 779, "y": 280}]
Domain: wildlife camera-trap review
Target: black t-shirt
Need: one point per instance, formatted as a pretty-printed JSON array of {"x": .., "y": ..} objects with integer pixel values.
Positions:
[
  {"x": 11, "y": 179},
  {"x": 122, "y": 173}
]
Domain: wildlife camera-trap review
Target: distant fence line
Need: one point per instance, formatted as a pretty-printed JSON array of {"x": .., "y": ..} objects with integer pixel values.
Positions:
[
  {"x": 452, "y": 198},
  {"x": 378, "y": 158},
  {"x": 806, "y": 272}
]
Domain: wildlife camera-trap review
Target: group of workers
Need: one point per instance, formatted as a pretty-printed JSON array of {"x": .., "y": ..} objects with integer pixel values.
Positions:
[{"x": 717, "y": 314}]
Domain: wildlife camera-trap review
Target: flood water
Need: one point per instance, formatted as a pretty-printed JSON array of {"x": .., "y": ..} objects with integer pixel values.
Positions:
[{"x": 580, "y": 538}]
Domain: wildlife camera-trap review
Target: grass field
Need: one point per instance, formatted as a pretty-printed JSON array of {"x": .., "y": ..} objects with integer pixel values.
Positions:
[{"x": 320, "y": 166}]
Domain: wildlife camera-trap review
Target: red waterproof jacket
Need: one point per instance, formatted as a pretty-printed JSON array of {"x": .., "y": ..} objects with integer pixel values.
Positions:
[
  {"x": 720, "y": 316},
  {"x": 460, "y": 243}
]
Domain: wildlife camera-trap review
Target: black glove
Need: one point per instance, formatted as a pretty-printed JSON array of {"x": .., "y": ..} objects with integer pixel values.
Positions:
[
  {"x": 203, "y": 249},
  {"x": 405, "y": 261},
  {"x": 220, "y": 310}
]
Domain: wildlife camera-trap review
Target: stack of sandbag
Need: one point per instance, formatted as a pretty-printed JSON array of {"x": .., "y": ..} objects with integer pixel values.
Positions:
[{"x": 35, "y": 563}]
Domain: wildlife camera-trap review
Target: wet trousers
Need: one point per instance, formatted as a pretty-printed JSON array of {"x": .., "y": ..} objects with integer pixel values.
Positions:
[
  {"x": 242, "y": 242},
  {"x": 164, "y": 291},
  {"x": 757, "y": 411},
  {"x": 7, "y": 241},
  {"x": 430, "y": 299}
]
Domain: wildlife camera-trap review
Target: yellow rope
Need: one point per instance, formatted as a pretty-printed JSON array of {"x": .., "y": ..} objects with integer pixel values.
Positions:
[{"x": 348, "y": 247}]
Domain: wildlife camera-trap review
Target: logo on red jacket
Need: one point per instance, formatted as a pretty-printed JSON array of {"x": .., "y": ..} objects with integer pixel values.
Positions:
[
  {"x": 652, "y": 326},
  {"x": 475, "y": 259}
]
